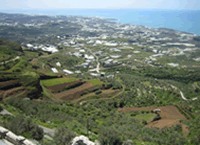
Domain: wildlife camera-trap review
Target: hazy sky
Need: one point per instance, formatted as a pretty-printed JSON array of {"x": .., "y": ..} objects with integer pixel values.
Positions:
[{"x": 101, "y": 4}]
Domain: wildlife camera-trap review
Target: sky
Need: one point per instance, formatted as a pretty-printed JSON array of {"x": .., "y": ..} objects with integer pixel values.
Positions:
[{"x": 101, "y": 4}]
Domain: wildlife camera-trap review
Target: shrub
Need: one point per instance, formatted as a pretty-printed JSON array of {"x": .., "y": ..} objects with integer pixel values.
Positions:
[
  {"x": 109, "y": 136},
  {"x": 134, "y": 113},
  {"x": 63, "y": 136},
  {"x": 1, "y": 108},
  {"x": 98, "y": 92},
  {"x": 157, "y": 117},
  {"x": 21, "y": 126}
]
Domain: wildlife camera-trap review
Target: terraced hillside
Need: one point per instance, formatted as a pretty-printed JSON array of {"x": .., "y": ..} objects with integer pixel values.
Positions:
[{"x": 75, "y": 90}]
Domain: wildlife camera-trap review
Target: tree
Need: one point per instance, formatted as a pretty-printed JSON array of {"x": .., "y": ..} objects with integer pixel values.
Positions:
[
  {"x": 1, "y": 108},
  {"x": 109, "y": 136},
  {"x": 21, "y": 126},
  {"x": 63, "y": 136}
]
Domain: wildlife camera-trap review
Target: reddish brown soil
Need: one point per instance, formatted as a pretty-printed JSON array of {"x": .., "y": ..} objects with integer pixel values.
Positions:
[
  {"x": 60, "y": 87},
  {"x": 75, "y": 93},
  {"x": 167, "y": 112},
  {"x": 163, "y": 122},
  {"x": 168, "y": 123},
  {"x": 169, "y": 116}
]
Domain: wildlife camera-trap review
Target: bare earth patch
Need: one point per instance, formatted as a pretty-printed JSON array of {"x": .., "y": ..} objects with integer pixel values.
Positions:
[
  {"x": 167, "y": 112},
  {"x": 169, "y": 116}
]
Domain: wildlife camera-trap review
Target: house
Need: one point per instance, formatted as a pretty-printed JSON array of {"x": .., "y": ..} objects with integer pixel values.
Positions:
[
  {"x": 157, "y": 55},
  {"x": 70, "y": 53},
  {"x": 3, "y": 132},
  {"x": 54, "y": 70},
  {"x": 103, "y": 74},
  {"x": 157, "y": 110},
  {"x": 110, "y": 76},
  {"x": 129, "y": 56},
  {"x": 115, "y": 56},
  {"x": 14, "y": 138},
  {"x": 58, "y": 64},
  {"x": 82, "y": 51},
  {"x": 51, "y": 49},
  {"x": 136, "y": 51},
  {"x": 27, "y": 142},
  {"x": 94, "y": 74},
  {"x": 173, "y": 64},
  {"x": 78, "y": 72},
  {"x": 29, "y": 45},
  {"x": 98, "y": 42},
  {"x": 68, "y": 72},
  {"x": 91, "y": 57}
]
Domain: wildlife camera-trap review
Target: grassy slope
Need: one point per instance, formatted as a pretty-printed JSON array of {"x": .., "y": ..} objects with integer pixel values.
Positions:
[{"x": 52, "y": 82}]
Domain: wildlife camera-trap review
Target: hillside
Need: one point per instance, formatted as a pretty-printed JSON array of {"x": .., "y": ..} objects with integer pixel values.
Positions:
[{"x": 115, "y": 83}]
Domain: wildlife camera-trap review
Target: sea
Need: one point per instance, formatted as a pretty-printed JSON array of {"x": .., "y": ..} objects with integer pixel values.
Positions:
[{"x": 181, "y": 20}]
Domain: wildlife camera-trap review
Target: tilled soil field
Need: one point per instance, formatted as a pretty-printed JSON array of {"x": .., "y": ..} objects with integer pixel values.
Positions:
[
  {"x": 169, "y": 115},
  {"x": 75, "y": 92},
  {"x": 60, "y": 87}
]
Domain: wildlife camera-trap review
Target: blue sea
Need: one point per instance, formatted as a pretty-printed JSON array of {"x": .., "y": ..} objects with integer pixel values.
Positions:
[{"x": 182, "y": 20}]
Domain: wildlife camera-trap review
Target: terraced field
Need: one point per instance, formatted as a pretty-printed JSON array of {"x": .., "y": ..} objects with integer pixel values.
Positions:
[
  {"x": 52, "y": 82},
  {"x": 75, "y": 90},
  {"x": 169, "y": 116},
  {"x": 75, "y": 93}
]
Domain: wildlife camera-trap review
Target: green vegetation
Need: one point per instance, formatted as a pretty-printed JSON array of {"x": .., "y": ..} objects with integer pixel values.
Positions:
[
  {"x": 28, "y": 129},
  {"x": 52, "y": 82},
  {"x": 138, "y": 84},
  {"x": 95, "y": 82},
  {"x": 103, "y": 118},
  {"x": 147, "y": 117}
]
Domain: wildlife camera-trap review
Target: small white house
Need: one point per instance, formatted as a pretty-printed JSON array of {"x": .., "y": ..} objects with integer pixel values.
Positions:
[
  {"x": 54, "y": 70},
  {"x": 78, "y": 72},
  {"x": 29, "y": 45},
  {"x": 82, "y": 51},
  {"x": 103, "y": 73},
  {"x": 173, "y": 64},
  {"x": 67, "y": 71},
  {"x": 28, "y": 142},
  {"x": 58, "y": 64},
  {"x": 11, "y": 136},
  {"x": 94, "y": 74}
]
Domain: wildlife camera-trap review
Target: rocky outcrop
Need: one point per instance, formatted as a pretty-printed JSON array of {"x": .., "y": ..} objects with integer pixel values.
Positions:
[{"x": 82, "y": 140}]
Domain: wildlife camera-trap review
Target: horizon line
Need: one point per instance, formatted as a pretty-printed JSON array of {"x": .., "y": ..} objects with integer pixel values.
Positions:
[{"x": 95, "y": 9}]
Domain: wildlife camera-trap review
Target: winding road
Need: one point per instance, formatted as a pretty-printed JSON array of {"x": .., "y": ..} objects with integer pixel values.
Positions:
[
  {"x": 186, "y": 98},
  {"x": 182, "y": 96}
]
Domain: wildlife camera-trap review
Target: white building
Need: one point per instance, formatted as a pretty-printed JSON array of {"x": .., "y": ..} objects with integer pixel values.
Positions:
[
  {"x": 29, "y": 45},
  {"x": 68, "y": 71},
  {"x": 54, "y": 70},
  {"x": 58, "y": 64},
  {"x": 173, "y": 64},
  {"x": 82, "y": 51},
  {"x": 50, "y": 49}
]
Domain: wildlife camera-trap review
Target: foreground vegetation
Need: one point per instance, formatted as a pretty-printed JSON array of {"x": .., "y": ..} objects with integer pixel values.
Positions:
[{"x": 24, "y": 92}]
